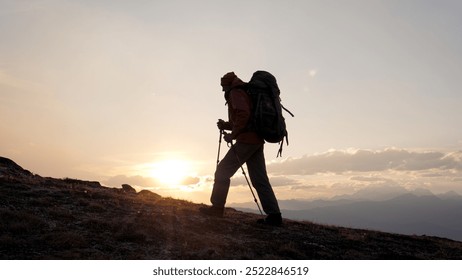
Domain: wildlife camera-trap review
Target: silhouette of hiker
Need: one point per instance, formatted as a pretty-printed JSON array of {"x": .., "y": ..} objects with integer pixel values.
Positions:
[{"x": 247, "y": 149}]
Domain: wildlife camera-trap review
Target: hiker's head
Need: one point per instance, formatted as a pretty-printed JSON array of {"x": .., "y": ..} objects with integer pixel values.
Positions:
[{"x": 227, "y": 81}]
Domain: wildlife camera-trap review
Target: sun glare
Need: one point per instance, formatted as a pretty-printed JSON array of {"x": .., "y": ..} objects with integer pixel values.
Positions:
[{"x": 171, "y": 172}]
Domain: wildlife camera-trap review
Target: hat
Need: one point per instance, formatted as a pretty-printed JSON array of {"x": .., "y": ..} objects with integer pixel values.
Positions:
[{"x": 228, "y": 79}]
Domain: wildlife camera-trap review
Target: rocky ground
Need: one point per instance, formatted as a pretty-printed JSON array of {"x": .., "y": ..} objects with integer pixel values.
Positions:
[{"x": 47, "y": 218}]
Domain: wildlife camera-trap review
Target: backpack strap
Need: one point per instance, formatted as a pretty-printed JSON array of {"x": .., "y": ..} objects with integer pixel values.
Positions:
[
  {"x": 279, "y": 154},
  {"x": 285, "y": 109}
]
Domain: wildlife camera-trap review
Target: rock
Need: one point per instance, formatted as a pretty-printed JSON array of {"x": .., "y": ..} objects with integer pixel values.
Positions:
[
  {"x": 9, "y": 168},
  {"x": 149, "y": 195},
  {"x": 128, "y": 189}
]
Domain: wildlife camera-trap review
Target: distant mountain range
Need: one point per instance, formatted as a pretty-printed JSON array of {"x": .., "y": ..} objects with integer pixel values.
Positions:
[{"x": 397, "y": 210}]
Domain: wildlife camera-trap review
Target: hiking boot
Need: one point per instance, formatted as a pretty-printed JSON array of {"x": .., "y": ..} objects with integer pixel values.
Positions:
[
  {"x": 271, "y": 220},
  {"x": 213, "y": 211}
]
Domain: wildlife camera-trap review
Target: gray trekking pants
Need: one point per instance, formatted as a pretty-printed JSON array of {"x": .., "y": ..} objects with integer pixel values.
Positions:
[{"x": 253, "y": 156}]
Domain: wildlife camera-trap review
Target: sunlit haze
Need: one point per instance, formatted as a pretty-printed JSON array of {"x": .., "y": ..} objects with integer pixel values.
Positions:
[
  {"x": 128, "y": 91},
  {"x": 170, "y": 172}
]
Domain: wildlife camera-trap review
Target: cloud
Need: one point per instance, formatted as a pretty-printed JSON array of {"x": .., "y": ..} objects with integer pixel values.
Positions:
[
  {"x": 278, "y": 181},
  {"x": 275, "y": 181},
  {"x": 145, "y": 182},
  {"x": 367, "y": 179},
  {"x": 339, "y": 162},
  {"x": 433, "y": 175},
  {"x": 190, "y": 180}
]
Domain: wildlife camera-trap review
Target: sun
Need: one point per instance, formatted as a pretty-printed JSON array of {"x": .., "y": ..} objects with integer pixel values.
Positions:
[{"x": 171, "y": 172}]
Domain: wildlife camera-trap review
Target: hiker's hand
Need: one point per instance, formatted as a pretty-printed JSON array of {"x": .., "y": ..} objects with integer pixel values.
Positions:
[
  {"x": 228, "y": 137},
  {"x": 221, "y": 124}
]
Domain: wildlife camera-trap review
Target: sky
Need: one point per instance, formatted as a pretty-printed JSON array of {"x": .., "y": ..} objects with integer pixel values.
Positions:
[{"x": 128, "y": 91}]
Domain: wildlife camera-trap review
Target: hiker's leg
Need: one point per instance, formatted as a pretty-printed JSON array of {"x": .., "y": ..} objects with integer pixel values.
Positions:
[
  {"x": 259, "y": 177},
  {"x": 225, "y": 170},
  {"x": 227, "y": 167}
]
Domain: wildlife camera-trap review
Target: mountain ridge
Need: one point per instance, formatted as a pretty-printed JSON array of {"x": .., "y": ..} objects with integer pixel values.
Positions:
[{"x": 49, "y": 218}]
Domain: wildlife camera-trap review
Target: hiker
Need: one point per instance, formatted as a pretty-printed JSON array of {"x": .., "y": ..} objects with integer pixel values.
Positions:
[{"x": 247, "y": 149}]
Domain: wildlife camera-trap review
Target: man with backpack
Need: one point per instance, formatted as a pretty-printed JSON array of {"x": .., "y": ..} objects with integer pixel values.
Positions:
[{"x": 247, "y": 149}]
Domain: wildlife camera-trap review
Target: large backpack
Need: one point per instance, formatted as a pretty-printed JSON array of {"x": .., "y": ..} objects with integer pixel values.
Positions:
[{"x": 267, "y": 119}]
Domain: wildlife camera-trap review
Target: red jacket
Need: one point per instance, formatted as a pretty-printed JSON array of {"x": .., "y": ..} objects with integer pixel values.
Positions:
[{"x": 239, "y": 113}]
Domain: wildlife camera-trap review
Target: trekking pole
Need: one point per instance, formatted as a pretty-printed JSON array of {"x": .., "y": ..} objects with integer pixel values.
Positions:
[
  {"x": 245, "y": 175},
  {"x": 219, "y": 146}
]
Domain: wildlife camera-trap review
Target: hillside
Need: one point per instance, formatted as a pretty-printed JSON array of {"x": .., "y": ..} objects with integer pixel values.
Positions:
[{"x": 47, "y": 218}]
